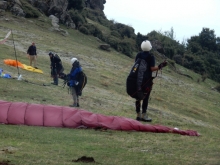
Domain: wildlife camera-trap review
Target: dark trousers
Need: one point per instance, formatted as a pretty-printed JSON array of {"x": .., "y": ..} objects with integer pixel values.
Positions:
[
  {"x": 144, "y": 104},
  {"x": 55, "y": 73}
]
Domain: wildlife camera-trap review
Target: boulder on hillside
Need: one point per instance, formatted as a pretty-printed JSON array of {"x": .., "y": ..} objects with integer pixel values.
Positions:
[
  {"x": 3, "y": 5},
  {"x": 54, "y": 21},
  {"x": 17, "y": 10},
  {"x": 105, "y": 47}
]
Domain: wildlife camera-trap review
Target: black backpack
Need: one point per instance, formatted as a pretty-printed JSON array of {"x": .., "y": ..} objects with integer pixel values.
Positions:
[
  {"x": 82, "y": 79},
  {"x": 138, "y": 78}
]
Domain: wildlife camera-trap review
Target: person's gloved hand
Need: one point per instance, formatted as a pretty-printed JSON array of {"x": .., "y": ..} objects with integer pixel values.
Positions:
[
  {"x": 70, "y": 83},
  {"x": 161, "y": 65}
]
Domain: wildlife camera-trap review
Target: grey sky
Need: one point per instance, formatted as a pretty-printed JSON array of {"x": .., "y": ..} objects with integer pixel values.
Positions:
[{"x": 187, "y": 17}]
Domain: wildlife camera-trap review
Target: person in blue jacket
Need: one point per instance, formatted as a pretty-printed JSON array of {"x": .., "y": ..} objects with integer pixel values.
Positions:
[{"x": 74, "y": 81}]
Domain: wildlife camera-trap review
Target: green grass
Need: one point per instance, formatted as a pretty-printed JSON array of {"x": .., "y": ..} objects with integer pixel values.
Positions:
[{"x": 176, "y": 101}]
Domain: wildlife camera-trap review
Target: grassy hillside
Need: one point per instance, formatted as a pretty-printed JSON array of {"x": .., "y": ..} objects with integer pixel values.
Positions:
[{"x": 176, "y": 101}]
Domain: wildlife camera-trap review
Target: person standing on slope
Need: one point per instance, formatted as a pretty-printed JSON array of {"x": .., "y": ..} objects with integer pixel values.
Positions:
[
  {"x": 32, "y": 54},
  {"x": 74, "y": 81},
  {"x": 56, "y": 67},
  {"x": 146, "y": 81}
]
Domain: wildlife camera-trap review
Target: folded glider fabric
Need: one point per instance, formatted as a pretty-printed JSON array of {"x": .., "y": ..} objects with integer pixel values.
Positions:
[
  {"x": 21, "y": 113},
  {"x": 4, "y": 75},
  {"x": 20, "y": 65},
  {"x": 6, "y": 37}
]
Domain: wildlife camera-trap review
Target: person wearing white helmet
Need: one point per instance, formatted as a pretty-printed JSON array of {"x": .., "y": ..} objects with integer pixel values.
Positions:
[
  {"x": 74, "y": 81},
  {"x": 146, "y": 80},
  {"x": 56, "y": 67}
]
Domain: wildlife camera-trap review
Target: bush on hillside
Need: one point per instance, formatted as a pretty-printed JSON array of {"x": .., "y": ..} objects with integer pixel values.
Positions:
[
  {"x": 123, "y": 30},
  {"x": 76, "y": 4},
  {"x": 170, "y": 46},
  {"x": 93, "y": 14},
  {"x": 178, "y": 59},
  {"x": 97, "y": 16},
  {"x": 217, "y": 88},
  {"x": 171, "y": 62},
  {"x": 193, "y": 63},
  {"x": 125, "y": 48},
  {"x": 116, "y": 34},
  {"x": 83, "y": 30},
  {"x": 103, "y": 21},
  {"x": 95, "y": 31},
  {"x": 113, "y": 41},
  {"x": 77, "y": 18},
  {"x": 30, "y": 11}
]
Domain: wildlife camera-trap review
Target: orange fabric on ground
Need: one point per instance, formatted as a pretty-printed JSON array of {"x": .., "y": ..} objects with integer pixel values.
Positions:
[
  {"x": 13, "y": 63},
  {"x": 20, "y": 65}
]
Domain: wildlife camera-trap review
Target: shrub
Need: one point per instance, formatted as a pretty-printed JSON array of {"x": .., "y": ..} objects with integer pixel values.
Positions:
[
  {"x": 76, "y": 4},
  {"x": 116, "y": 34},
  {"x": 30, "y": 11},
  {"x": 113, "y": 41},
  {"x": 77, "y": 18},
  {"x": 94, "y": 14},
  {"x": 125, "y": 47},
  {"x": 217, "y": 88},
  {"x": 178, "y": 59},
  {"x": 93, "y": 30},
  {"x": 83, "y": 30}
]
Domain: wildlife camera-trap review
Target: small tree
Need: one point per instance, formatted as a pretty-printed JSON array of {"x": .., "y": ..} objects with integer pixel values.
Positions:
[{"x": 170, "y": 34}]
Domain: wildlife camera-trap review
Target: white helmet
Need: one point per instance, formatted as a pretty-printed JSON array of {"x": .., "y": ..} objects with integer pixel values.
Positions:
[
  {"x": 146, "y": 45},
  {"x": 73, "y": 60}
]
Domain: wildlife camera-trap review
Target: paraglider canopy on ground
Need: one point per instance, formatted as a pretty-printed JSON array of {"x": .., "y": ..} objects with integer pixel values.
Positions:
[
  {"x": 21, "y": 113},
  {"x": 20, "y": 65}
]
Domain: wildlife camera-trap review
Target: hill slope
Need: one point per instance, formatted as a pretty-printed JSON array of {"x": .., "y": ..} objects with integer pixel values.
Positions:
[{"x": 176, "y": 101}]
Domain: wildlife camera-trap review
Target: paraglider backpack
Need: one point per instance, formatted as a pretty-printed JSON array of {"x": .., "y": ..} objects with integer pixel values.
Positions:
[
  {"x": 57, "y": 56},
  {"x": 82, "y": 79},
  {"x": 137, "y": 78}
]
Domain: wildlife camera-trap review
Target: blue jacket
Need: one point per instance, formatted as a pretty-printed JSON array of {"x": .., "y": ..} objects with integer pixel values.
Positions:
[{"x": 73, "y": 75}]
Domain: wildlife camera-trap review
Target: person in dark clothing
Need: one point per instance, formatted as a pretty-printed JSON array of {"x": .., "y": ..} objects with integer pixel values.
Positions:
[
  {"x": 32, "y": 55},
  {"x": 146, "y": 82},
  {"x": 74, "y": 81},
  {"x": 56, "y": 67}
]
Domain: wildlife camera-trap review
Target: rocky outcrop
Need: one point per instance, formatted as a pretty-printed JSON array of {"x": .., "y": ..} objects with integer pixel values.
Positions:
[
  {"x": 3, "y": 5},
  {"x": 17, "y": 10},
  {"x": 57, "y": 8},
  {"x": 14, "y": 6},
  {"x": 96, "y": 4},
  {"x": 54, "y": 22},
  {"x": 41, "y": 5}
]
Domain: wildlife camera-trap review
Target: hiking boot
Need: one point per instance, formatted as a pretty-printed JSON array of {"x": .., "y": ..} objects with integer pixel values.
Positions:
[
  {"x": 54, "y": 83},
  {"x": 73, "y": 105},
  {"x": 77, "y": 104},
  {"x": 138, "y": 118},
  {"x": 145, "y": 118}
]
